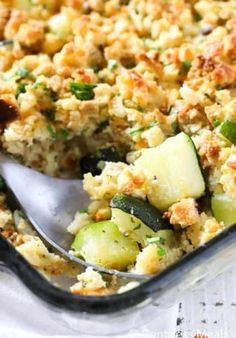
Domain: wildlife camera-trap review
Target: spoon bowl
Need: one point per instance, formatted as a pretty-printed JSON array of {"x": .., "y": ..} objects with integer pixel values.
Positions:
[{"x": 50, "y": 205}]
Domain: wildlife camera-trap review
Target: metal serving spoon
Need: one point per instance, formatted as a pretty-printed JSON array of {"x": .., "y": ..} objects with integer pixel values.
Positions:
[{"x": 50, "y": 205}]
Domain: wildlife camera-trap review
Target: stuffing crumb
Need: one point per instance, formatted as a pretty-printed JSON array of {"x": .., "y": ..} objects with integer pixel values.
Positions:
[
  {"x": 204, "y": 230},
  {"x": 89, "y": 282},
  {"x": 117, "y": 177},
  {"x": 81, "y": 219},
  {"x": 183, "y": 213},
  {"x": 5, "y": 217},
  {"x": 148, "y": 260},
  {"x": 151, "y": 260},
  {"x": 38, "y": 255}
]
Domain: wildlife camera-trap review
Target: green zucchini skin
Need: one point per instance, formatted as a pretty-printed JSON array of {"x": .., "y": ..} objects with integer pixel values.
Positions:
[
  {"x": 228, "y": 130},
  {"x": 144, "y": 211},
  {"x": 94, "y": 163},
  {"x": 205, "y": 192}
]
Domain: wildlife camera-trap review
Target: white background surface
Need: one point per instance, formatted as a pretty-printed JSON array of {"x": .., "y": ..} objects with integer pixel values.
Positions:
[{"x": 210, "y": 310}]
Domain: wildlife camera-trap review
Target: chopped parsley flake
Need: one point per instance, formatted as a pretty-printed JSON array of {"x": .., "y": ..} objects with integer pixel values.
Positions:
[
  {"x": 61, "y": 134},
  {"x": 186, "y": 65},
  {"x": 42, "y": 85},
  {"x": 158, "y": 239},
  {"x": 132, "y": 105},
  {"x": 49, "y": 114},
  {"x": 218, "y": 87},
  {"x": 83, "y": 91},
  {"x": 82, "y": 211},
  {"x": 175, "y": 127},
  {"x": 207, "y": 96},
  {"x": 161, "y": 251},
  {"x": 112, "y": 65},
  {"x": 197, "y": 17},
  {"x": 23, "y": 72},
  {"x": 21, "y": 88},
  {"x": 96, "y": 68},
  {"x": 136, "y": 131},
  {"x": 138, "y": 226},
  {"x": 52, "y": 131}
]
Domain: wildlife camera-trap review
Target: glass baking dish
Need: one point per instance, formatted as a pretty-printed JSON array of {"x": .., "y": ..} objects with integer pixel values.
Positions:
[{"x": 96, "y": 314}]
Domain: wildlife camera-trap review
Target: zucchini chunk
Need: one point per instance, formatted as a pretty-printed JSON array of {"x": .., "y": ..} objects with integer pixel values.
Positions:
[
  {"x": 134, "y": 228},
  {"x": 103, "y": 244},
  {"x": 228, "y": 130},
  {"x": 144, "y": 211},
  {"x": 174, "y": 164},
  {"x": 224, "y": 208}
]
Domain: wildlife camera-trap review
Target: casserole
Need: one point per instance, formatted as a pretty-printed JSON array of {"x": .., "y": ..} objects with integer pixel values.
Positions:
[{"x": 139, "y": 98}]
